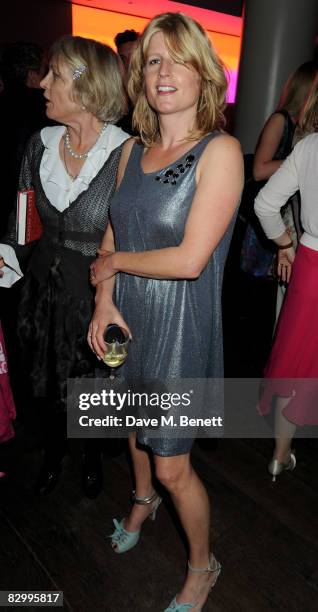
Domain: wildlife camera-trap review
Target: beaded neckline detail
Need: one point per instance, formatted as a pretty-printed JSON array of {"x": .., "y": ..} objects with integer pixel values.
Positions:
[{"x": 172, "y": 174}]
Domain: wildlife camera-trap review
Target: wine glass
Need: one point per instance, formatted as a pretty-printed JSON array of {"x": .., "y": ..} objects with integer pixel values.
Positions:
[{"x": 116, "y": 339}]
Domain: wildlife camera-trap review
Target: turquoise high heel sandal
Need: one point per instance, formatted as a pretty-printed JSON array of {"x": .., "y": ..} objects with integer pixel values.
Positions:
[
  {"x": 122, "y": 540},
  {"x": 214, "y": 566}
]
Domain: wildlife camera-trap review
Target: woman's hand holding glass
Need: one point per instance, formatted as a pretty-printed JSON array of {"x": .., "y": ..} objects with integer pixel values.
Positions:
[
  {"x": 117, "y": 342},
  {"x": 105, "y": 314},
  {"x": 101, "y": 269}
]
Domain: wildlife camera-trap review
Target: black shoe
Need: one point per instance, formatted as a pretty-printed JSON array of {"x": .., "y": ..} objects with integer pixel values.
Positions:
[
  {"x": 92, "y": 476},
  {"x": 47, "y": 479}
]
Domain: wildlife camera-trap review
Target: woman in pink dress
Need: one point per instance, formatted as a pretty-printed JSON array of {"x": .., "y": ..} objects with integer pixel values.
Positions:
[
  {"x": 7, "y": 408},
  {"x": 294, "y": 355}
]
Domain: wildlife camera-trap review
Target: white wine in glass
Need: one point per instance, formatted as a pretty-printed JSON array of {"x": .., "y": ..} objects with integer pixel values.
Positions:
[{"x": 116, "y": 339}]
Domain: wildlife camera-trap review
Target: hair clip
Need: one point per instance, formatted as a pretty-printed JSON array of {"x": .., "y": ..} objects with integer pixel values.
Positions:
[{"x": 77, "y": 72}]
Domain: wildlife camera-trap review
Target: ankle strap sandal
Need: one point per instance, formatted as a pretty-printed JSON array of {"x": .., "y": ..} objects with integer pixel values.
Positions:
[
  {"x": 154, "y": 499},
  {"x": 123, "y": 540},
  {"x": 214, "y": 566},
  {"x": 143, "y": 501}
]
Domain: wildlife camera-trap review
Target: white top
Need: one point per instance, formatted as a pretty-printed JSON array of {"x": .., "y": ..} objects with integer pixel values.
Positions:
[
  {"x": 298, "y": 171},
  {"x": 10, "y": 275},
  {"x": 59, "y": 187}
]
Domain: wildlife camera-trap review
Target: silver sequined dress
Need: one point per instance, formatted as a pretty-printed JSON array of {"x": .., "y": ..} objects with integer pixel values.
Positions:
[{"x": 176, "y": 324}]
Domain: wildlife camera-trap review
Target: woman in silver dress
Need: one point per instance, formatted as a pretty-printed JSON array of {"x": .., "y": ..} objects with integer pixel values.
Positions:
[{"x": 171, "y": 222}]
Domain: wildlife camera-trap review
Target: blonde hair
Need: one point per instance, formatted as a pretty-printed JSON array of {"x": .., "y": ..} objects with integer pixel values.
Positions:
[
  {"x": 99, "y": 88},
  {"x": 188, "y": 44},
  {"x": 297, "y": 90},
  {"x": 308, "y": 119}
]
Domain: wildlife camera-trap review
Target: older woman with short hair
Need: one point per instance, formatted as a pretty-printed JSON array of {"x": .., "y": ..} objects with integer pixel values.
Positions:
[{"x": 72, "y": 168}]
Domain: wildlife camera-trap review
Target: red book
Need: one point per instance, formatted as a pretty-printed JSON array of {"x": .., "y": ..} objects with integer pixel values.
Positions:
[{"x": 29, "y": 226}]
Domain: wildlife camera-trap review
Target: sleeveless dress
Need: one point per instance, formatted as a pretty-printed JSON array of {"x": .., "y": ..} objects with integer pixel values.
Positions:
[
  {"x": 176, "y": 324},
  {"x": 258, "y": 253}
]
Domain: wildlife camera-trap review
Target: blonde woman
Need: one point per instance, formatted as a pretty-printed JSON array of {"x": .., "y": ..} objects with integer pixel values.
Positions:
[
  {"x": 72, "y": 168},
  {"x": 295, "y": 112},
  {"x": 171, "y": 217}
]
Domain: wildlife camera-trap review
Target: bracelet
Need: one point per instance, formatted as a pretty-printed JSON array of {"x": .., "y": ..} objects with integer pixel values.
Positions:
[{"x": 285, "y": 246}]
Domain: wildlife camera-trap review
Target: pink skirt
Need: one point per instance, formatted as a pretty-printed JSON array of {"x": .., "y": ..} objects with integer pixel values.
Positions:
[
  {"x": 292, "y": 369},
  {"x": 7, "y": 408}
]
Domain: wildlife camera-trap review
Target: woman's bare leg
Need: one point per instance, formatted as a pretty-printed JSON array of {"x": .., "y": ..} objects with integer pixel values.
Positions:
[
  {"x": 192, "y": 505},
  {"x": 144, "y": 486},
  {"x": 284, "y": 431}
]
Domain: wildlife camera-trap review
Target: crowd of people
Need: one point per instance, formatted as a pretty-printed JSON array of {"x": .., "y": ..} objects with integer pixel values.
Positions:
[{"x": 130, "y": 171}]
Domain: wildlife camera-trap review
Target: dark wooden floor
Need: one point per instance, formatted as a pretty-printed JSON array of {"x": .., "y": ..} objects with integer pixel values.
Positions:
[{"x": 265, "y": 534}]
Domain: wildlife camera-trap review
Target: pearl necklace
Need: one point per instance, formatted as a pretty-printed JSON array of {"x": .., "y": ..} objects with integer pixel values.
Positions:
[
  {"x": 81, "y": 155},
  {"x": 73, "y": 177}
]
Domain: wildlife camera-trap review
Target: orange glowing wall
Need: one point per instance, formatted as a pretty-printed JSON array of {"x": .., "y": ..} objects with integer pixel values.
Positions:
[{"x": 103, "y": 25}]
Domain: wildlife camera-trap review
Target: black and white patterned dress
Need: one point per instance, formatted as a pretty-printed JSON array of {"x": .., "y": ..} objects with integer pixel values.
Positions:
[{"x": 56, "y": 297}]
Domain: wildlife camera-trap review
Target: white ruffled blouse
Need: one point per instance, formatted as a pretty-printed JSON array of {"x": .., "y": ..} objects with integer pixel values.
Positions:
[{"x": 59, "y": 187}]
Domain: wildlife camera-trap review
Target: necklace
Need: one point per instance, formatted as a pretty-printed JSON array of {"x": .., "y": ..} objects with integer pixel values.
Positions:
[
  {"x": 72, "y": 176},
  {"x": 81, "y": 155}
]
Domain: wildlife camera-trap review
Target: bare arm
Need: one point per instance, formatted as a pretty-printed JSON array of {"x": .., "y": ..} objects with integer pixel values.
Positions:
[
  {"x": 105, "y": 310},
  {"x": 264, "y": 165},
  {"x": 214, "y": 203},
  {"x": 108, "y": 241}
]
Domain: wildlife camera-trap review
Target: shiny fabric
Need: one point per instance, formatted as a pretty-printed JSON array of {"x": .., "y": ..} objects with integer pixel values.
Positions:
[{"x": 176, "y": 324}]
